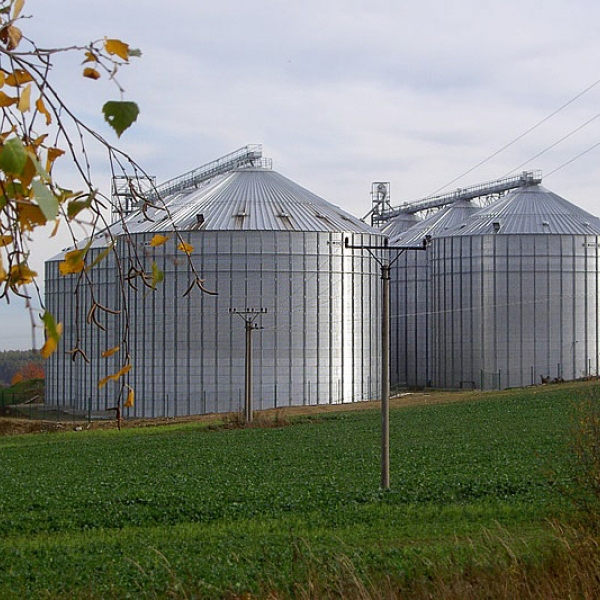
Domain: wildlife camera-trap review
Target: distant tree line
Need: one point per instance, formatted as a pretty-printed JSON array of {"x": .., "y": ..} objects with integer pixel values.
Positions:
[{"x": 20, "y": 365}]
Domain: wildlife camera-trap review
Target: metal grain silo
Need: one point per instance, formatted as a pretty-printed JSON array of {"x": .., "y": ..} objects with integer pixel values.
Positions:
[
  {"x": 409, "y": 296},
  {"x": 515, "y": 294},
  {"x": 259, "y": 240}
]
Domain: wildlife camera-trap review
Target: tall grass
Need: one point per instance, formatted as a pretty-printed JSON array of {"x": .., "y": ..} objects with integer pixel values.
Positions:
[
  {"x": 570, "y": 568},
  {"x": 584, "y": 490}
]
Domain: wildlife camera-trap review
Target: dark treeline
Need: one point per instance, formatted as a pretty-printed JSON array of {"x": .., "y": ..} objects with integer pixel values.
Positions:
[{"x": 12, "y": 361}]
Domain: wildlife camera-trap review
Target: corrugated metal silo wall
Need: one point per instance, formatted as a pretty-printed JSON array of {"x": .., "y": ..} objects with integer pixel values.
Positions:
[
  {"x": 409, "y": 345},
  {"x": 508, "y": 309},
  {"x": 72, "y": 381},
  {"x": 320, "y": 342}
]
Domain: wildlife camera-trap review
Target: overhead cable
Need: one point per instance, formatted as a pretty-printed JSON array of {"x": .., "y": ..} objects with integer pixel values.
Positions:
[
  {"x": 573, "y": 159},
  {"x": 515, "y": 140},
  {"x": 562, "y": 139}
]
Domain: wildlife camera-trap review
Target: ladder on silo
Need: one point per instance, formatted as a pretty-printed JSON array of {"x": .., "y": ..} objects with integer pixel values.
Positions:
[
  {"x": 128, "y": 192},
  {"x": 248, "y": 156}
]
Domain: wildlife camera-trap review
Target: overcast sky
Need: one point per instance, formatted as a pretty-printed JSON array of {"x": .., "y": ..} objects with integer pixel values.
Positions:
[{"x": 342, "y": 93}]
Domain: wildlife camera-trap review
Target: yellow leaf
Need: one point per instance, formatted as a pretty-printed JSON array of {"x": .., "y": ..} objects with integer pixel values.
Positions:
[
  {"x": 3, "y": 273},
  {"x": 91, "y": 73},
  {"x": 90, "y": 57},
  {"x": 187, "y": 248},
  {"x": 50, "y": 345},
  {"x": 39, "y": 140},
  {"x": 114, "y": 376},
  {"x": 159, "y": 240},
  {"x": 121, "y": 49},
  {"x": 130, "y": 398},
  {"x": 73, "y": 262},
  {"x": 30, "y": 216},
  {"x": 55, "y": 228},
  {"x": 17, "y": 8},
  {"x": 11, "y": 36},
  {"x": 21, "y": 274},
  {"x": 29, "y": 172},
  {"x": 39, "y": 104},
  {"x": 7, "y": 100},
  {"x": 110, "y": 351},
  {"x": 18, "y": 77},
  {"x": 25, "y": 99},
  {"x": 5, "y": 240},
  {"x": 52, "y": 155},
  {"x": 2, "y": 78}
]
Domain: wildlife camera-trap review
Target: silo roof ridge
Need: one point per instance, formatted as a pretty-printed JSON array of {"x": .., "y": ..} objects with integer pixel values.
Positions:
[
  {"x": 529, "y": 210},
  {"x": 446, "y": 218},
  {"x": 250, "y": 199}
]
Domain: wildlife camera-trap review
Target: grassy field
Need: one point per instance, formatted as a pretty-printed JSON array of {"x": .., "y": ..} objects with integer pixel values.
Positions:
[{"x": 198, "y": 510}]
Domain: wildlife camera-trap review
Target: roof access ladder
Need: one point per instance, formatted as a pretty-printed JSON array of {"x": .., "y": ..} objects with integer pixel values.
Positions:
[{"x": 128, "y": 192}]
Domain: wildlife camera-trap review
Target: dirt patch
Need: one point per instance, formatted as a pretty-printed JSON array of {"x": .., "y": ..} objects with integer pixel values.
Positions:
[
  {"x": 12, "y": 426},
  {"x": 52, "y": 420}
]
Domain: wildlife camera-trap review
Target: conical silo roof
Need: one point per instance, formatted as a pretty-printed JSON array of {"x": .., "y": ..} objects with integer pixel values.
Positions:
[
  {"x": 248, "y": 200},
  {"x": 530, "y": 210},
  {"x": 447, "y": 218},
  {"x": 399, "y": 224}
]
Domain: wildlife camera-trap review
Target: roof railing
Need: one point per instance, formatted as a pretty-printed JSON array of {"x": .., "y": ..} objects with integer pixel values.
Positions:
[
  {"x": 488, "y": 188},
  {"x": 128, "y": 192},
  {"x": 248, "y": 156}
]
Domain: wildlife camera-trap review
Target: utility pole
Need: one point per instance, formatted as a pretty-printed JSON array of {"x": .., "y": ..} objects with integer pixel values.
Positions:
[
  {"x": 249, "y": 316},
  {"x": 385, "y": 265}
]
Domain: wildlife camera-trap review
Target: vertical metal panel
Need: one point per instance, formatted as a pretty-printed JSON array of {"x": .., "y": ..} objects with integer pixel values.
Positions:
[
  {"x": 320, "y": 341},
  {"x": 410, "y": 327},
  {"x": 529, "y": 307}
]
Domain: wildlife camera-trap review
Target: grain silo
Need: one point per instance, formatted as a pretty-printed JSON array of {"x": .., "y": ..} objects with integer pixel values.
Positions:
[
  {"x": 409, "y": 296},
  {"x": 262, "y": 243},
  {"x": 514, "y": 294}
]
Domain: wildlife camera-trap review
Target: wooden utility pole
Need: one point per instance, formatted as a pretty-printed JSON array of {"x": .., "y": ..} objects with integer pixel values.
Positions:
[
  {"x": 249, "y": 316},
  {"x": 385, "y": 265}
]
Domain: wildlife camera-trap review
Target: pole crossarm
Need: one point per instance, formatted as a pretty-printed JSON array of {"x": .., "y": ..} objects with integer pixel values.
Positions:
[
  {"x": 253, "y": 313},
  {"x": 385, "y": 246}
]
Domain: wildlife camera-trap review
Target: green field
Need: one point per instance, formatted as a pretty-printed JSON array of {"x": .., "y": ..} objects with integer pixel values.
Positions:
[{"x": 192, "y": 511}]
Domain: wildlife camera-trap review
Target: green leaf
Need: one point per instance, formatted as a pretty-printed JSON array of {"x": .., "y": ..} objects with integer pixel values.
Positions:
[
  {"x": 102, "y": 255},
  {"x": 76, "y": 206},
  {"x": 53, "y": 333},
  {"x": 157, "y": 275},
  {"x": 120, "y": 115},
  {"x": 13, "y": 157},
  {"x": 45, "y": 199}
]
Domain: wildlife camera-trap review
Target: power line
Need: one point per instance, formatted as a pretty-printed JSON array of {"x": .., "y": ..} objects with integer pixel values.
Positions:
[
  {"x": 562, "y": 139},
  {"x": 573, "y": 159},
  {"x": 520, "y": 137}
]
